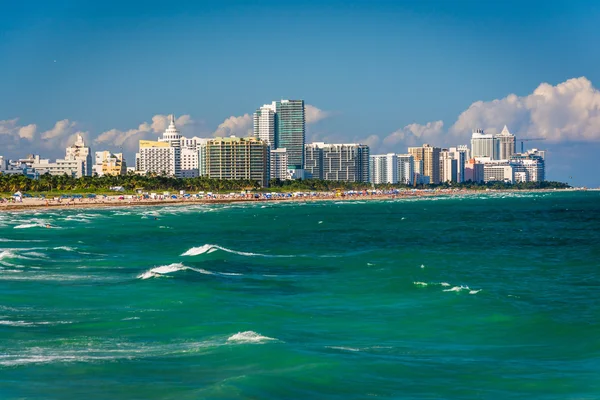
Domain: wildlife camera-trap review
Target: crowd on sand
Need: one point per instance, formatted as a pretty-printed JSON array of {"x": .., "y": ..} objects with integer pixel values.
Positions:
[{"x": 20, "y": 202}]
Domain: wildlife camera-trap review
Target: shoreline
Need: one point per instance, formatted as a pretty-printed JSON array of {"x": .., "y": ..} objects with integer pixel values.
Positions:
[{"x": 31, "y": 204}]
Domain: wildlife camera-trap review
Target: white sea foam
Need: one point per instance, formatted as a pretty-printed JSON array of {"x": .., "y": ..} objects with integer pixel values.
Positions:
[
  {"x": 353, "y": 349},
  {"x": 32, "y": 324},
  {"x": 25, "y": 226},
  {"x": 21, "y": 240},
  {"x": 457, "y": 288},
  {"x": 65, "y": 248},
  {"x": 444, "y": 284},
  {"x": 209, "y": 248},
  {"x": 248, "y": 337},
  {"x": 162, "y": 270},
  {"x": 167, "y": 269},
  {"x": 474, "y": 291},
  {"x": 420, "y": 283}
]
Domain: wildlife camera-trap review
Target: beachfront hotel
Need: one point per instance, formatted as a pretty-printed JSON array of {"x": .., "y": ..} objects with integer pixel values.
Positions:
[
  {"x": 107, "y": 163},
  {"x": 430, "y": 156},
  {"x": 391, "y": 168},
  {"x": 237, "y": 158},
  {"x": 337, "y": 162},
  {"x": 156, "y": 157}
]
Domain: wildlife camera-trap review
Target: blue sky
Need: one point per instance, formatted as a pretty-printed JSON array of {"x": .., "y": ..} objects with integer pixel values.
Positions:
[{"x": 370, "y": 68}]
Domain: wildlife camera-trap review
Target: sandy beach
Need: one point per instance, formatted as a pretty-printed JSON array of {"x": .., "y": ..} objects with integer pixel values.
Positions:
[{"x": 133, "y": 201}]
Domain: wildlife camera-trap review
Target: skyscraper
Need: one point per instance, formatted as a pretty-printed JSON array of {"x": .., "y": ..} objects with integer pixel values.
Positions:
[
  {"x": 506, "y": 144},
  {"x": 484, "y": 145},
  {"x": 431, "y": 161},
  {"x": 383, "y": 168},
  {"x": 264, "y": 124},
  {"x": 290, "y": 130}
]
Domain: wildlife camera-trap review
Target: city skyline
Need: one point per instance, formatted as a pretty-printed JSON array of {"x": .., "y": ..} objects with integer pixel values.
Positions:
[{"x": 390, "y": 75}]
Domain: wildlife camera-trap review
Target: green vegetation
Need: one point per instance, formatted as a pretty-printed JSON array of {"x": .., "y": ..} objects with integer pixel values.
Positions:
[{"x": 58, "y": 185}]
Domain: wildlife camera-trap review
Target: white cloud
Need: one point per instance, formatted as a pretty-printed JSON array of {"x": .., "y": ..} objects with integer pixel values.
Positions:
[
  {"x": 415, "y": 133},
  {"x": 313, "y": 114},
  {"x": 568, "y": 111},
  {"x": 238, "y": 126},
  {"x": 243, "y": 125},
  {"x": 129, "y": 139},
  {"x": 10, "y": 130},
  {"x": 28, "y": 132}
]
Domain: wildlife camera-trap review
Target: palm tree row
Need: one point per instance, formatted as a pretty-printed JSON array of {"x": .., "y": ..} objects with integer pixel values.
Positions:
[{"x": 130, "y": 182}]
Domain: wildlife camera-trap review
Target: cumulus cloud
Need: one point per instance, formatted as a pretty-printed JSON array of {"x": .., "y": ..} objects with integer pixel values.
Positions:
[
  {"x": 415, "y": 133},
  {"x": 13, "y": 135},
  {"x": 313, "y": 114},
  {"x": 243, "y": 125},
  {"x": 237, "y": 126},
  {"x": 129, "y": 139},
  {"x": 568, "y": 111}
]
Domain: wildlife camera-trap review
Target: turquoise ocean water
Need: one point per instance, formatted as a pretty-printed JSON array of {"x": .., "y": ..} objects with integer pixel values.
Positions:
[{"x": 488, "y": 296}]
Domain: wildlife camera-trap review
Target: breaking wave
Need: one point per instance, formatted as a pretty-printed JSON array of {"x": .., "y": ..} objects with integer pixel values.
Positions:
[
  {"x": 248, "y": 337},
  {"x": 210, "y": 248},
  {"x": 167, "y": 269}
]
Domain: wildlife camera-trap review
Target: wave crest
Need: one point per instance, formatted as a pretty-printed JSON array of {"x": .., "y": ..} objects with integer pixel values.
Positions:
[
  {"x": 167, "y": 269},
  {"x": 210, "y": 248},
  {"x": 248, "y": 337}
]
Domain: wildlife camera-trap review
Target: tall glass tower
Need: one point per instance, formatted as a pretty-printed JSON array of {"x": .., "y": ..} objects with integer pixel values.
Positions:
[{"x": 290, "y": 130}]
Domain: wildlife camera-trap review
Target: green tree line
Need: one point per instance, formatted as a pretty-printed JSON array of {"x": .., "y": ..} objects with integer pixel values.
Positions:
[{"x": 130, "y": 182}]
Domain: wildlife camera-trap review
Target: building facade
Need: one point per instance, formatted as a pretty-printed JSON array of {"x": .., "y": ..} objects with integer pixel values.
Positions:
[
  {"x": 278, "y": 164},
  {"x": 107, "y": 163},
  {"x": 157, "y": 157},
  {"x": 507, "y": 144},
  {"x": 237, "y": 158},
  {"x": 79, "y": 151},
  {"x": 430, "y": 156},
  {"x": 291, "y": 130},
  {"x": 484, "y": 145},
  {"x": 264, "y": 124},
  {"x": 383, "y": 168},
  {"x": 339, "y": 162}
]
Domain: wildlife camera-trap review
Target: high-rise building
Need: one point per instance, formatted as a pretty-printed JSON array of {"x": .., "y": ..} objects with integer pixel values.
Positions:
[
  {"x": 264, "y": 124},
  {"x": 498, "y": 172},
  {"x": 431, "y": 161},
  {"x": 383, "y": 168},
  {"x": 278, "y": 164},
  {"x": 107, "y": 163},
  {"x": 290, "y": 130},
  {"x": 157, "y": 157},
  {"x": 338, "y": 162},
  {"x": 79, "y": 151},
  {"x": 236, "y": 158},
  {"x": 461, "y": 155},
  {"x": 529, "y": 167},
  {"x": 406, "y": 169},
  {"x": 172, "y": 136},
  {"x": 448, "y": 166},
  {"x": 506, "y": 144},
  {"x": 281, "y": 125},
  {"x": 473, "y": 171},
  {"x": 484, "y": 145},
  {"x": 189, "y": 156}
]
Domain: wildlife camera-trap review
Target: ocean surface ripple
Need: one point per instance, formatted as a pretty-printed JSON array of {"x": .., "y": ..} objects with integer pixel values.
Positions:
[{"x": 486, "y": 296}]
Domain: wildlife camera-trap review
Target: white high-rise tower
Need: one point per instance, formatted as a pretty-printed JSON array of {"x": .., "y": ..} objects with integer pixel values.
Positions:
[
  {"x": 173, "y": 137},
  {"x": 506, "y": 144}
]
